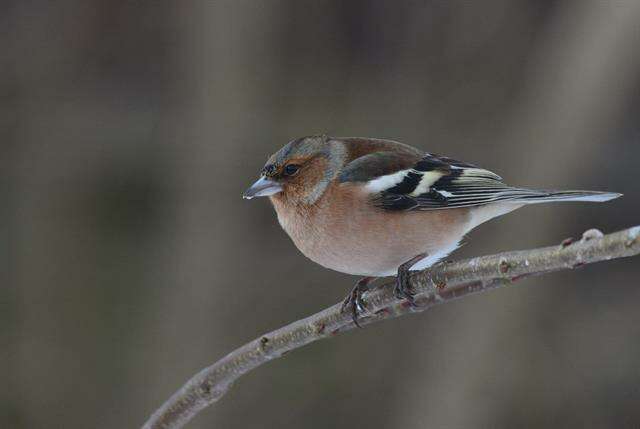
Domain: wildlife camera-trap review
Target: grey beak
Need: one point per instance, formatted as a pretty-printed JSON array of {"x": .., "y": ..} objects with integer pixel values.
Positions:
[{"x": 262, "y": 188}]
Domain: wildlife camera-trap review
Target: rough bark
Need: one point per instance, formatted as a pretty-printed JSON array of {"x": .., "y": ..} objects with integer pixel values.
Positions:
[{"x": 439, "y": 284}]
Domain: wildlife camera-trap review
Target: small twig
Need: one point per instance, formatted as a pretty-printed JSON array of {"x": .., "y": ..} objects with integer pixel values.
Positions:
[{"x": 437, "y": 285}]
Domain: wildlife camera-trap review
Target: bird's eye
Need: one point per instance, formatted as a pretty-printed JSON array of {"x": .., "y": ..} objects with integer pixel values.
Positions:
[{"x": 290, "y": 169}]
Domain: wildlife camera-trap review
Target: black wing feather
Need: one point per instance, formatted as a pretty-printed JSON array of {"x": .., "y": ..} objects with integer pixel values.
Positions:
[{"x": 460, "y": 185}]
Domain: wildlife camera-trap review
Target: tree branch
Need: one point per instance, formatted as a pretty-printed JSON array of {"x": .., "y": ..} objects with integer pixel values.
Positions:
[{"x": 437, "y": 285}]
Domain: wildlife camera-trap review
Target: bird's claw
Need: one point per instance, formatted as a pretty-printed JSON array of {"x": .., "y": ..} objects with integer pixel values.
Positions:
[
  {"x": 354, "y": 302},
  {"x": 403, "y": 289}
]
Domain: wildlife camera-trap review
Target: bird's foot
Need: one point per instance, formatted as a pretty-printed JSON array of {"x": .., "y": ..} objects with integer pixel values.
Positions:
[
  {"x": 354, "y": 303},
  {"x": 403, "y": 289}
]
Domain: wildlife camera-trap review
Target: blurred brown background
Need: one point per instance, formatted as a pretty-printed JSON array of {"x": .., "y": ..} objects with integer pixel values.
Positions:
[{"x": 130, "y": 129}]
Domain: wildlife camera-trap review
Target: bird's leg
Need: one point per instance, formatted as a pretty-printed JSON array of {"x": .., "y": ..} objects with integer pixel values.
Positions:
[
  {"x": 354, "y": 302},
  {"x": 403, "y": 290}
]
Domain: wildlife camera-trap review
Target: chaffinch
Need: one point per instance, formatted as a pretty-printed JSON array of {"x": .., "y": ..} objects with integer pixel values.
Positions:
[{"x": 374, "y": 208}]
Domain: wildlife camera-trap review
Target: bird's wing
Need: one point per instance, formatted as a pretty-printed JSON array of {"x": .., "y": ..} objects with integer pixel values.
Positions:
[
  {"x": 377, "y": 165},
  {"x": 436, "y": 182}
]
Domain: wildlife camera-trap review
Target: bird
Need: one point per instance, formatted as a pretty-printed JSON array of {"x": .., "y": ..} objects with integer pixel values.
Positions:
[{"x": 376, "y": 208}]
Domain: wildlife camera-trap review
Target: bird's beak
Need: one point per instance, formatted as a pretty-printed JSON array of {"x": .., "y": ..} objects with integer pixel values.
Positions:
[{"x": 262, "y": 188}]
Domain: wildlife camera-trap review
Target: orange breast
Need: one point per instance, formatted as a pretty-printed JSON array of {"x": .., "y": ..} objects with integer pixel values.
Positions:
[{"x": 344, "y": 232}]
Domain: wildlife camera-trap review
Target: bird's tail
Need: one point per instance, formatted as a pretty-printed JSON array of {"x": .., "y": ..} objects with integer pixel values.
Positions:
[
  {"x": 518, "y": 197},
  {"x": 530, "y": 196}
]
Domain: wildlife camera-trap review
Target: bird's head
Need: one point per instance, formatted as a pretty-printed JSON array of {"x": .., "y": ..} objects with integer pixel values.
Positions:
[{"x": 300, "y": 171}]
